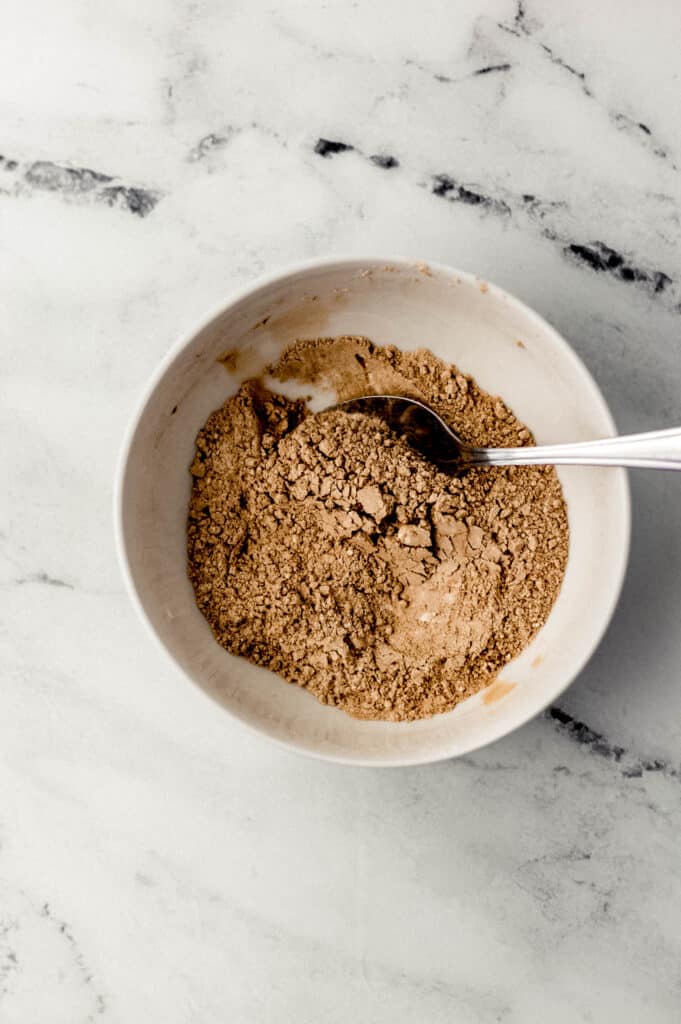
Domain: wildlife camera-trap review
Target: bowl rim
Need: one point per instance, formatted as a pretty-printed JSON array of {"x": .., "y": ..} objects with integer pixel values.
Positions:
[{"x": 345, "y": 262}]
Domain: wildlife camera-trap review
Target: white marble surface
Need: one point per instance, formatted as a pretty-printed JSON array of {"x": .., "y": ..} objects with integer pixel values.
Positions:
[{"x": 156, "y": 863}]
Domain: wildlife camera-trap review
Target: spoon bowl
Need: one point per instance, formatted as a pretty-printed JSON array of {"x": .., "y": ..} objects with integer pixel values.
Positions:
[{"x": 419, "y": 425}]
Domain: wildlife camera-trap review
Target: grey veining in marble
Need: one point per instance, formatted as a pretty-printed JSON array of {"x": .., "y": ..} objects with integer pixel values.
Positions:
[{"x": 156, "y": 863}]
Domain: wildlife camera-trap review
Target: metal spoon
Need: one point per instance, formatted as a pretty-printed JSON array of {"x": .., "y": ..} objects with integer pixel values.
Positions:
[{"x": 428, "y": 433}]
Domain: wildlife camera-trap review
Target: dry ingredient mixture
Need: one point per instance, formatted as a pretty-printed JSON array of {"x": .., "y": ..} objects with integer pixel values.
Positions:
[{"x": 326, "y": 549}]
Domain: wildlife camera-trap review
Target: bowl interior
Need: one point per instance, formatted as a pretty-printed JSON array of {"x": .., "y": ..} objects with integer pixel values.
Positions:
[{"x": 510, "y": 351}]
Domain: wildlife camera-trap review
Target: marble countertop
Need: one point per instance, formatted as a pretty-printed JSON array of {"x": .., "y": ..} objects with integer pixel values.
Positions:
[{"x": 158, "y": 864}]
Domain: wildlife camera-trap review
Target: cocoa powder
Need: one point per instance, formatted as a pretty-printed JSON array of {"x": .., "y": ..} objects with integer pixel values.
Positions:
[{"x": 324, "y": 548}]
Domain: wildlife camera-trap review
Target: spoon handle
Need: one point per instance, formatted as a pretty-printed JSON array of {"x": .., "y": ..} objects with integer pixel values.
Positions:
[{"x": 659, "y": 449}]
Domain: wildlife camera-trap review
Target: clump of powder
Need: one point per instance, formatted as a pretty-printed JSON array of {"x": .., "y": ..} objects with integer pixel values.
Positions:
[{"x": 324, "y": 548}]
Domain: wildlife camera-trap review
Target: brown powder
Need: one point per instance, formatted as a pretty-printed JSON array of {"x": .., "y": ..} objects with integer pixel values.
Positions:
[{"x": 324, "y": 548}]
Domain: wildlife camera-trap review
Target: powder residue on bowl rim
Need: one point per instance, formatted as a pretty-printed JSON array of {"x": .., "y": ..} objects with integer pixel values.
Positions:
[
  {"x": 499, "y": 689},
  {"x": 230, "y": 359},
  {"x": 324, "y": 548}
]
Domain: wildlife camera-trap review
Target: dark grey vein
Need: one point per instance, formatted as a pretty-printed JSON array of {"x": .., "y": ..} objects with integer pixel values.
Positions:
[
  {"x": 327, "y": 148},
  {"x": 385, "y": 161},
  {"x": 491, "y": 69},
  {"x": 206, "y": 145},
  {"x": 80, "y": 184},
  {"x": 448, "y": 188},
  {"x": 442, "y": 79},
  {"x": 559, "y": 62},
  {"x": 77, "y": 956},
  {"x": 604, "y": 259},
  {"x": 629, "y": 766},
  {"x": 45, "y": 580}
]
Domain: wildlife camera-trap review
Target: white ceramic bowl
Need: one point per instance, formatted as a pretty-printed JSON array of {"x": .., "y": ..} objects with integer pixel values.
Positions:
[{"x": 486, "y": 332}]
